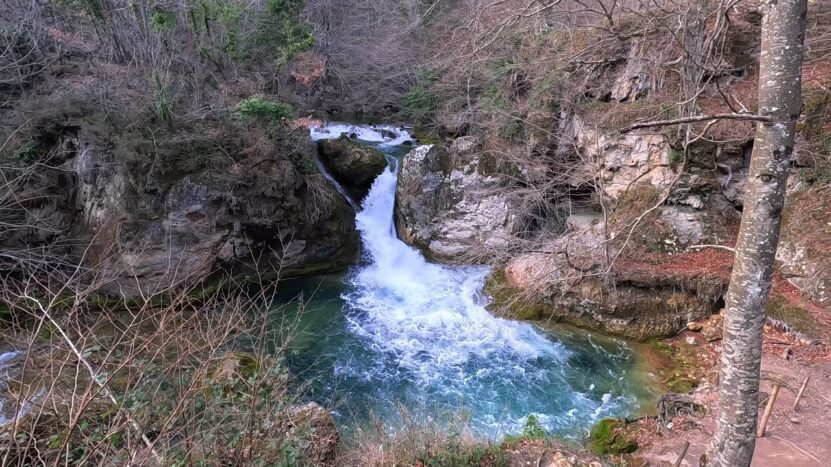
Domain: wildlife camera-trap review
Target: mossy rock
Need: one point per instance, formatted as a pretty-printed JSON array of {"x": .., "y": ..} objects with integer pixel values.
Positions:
[
  {"x": 423, "y": 136},
  {"x": 608, "y": 438},
  {"x": 352, "y": 163},
  {"x": 797, "y": 318},
  {"x": 505, "y": 299}
]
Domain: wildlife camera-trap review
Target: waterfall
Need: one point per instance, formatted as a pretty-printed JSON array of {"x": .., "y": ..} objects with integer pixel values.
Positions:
[
  {"x": 430, "y": 315},
  {"x": 417, "y": 334}
]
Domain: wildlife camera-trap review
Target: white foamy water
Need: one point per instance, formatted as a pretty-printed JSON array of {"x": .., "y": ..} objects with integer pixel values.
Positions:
[
  {"x": 383, "y": 135},
  {"x": 12, "y": 410},
  {"x": 431, "y": 316}
]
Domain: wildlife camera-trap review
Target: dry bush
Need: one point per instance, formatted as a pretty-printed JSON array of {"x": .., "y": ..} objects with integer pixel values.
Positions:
[
  {"x": 420, "y": 442},
  {"x": 169, "y": 379}
]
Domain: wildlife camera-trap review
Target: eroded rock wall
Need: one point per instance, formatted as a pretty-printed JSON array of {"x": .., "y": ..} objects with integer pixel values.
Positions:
[{"x": 151, "y": 212}]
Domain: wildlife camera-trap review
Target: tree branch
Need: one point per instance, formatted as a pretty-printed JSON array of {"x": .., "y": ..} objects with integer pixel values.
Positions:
[{"x": 699, "y": 118}]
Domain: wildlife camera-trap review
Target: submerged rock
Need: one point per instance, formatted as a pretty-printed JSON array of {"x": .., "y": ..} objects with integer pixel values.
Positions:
[
  {"x": 353, "y": 164},
  {"x": 448, "y": 202}
]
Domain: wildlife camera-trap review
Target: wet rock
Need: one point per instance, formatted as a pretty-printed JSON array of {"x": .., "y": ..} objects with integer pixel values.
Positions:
[
  {"x": 353, "y": 164},
  {"x": 609, "y": 437},
  {"x": 389, "y": 134}
]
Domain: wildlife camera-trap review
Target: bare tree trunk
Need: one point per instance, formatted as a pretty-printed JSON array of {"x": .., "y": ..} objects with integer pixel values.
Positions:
[{"x": 780, "y": 97}]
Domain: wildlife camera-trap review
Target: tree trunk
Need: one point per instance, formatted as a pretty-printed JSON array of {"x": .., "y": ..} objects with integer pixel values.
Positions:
[{"x": 780, "y": 97}]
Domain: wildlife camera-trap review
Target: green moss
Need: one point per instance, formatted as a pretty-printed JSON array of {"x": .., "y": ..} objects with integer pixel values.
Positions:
[
  {"x": 680, "y": 384},
  {"x": 505, "y": 299},
  {"x": 677, "y": 366},
  {"x": 797, "y": 318},
  {"x": 607, "y": 438},
  {"x": 425, "y": 137},
  {"x": 651, "y": 233}
]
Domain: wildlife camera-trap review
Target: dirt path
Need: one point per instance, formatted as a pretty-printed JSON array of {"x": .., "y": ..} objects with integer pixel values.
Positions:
[{"x": 793, "y": 438}]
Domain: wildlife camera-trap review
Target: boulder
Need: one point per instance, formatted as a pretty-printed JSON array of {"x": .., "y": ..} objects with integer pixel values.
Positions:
[
  {"x": 448, "y": 202},
  {"x": 713, "y": 328},
  {"x": 354, "y": 165}
]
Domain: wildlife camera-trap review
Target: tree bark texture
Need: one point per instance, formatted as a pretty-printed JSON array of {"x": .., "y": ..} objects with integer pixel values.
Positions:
[{"x": 780, "y": 97}]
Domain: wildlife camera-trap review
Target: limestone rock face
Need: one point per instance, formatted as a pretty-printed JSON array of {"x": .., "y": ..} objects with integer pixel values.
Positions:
[
  {"x": 157, "y": 214},
  {"x": 448, "y": 202},
  {"x": 353, "y": 164},
  {"x": 622, "y": 161}
]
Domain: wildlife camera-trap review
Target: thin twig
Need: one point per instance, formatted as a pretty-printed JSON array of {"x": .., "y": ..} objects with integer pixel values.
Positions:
[{"x": 96, "y": 377}]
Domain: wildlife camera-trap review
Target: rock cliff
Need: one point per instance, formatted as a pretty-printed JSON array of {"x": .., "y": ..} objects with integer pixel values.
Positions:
[{"x": 152, "y": 210}]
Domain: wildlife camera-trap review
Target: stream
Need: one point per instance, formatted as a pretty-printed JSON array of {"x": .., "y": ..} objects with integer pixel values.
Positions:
[{"x": 400, "y": 338}]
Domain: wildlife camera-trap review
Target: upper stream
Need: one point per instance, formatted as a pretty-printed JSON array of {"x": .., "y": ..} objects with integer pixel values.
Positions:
[{"x": 400, "y": 335}]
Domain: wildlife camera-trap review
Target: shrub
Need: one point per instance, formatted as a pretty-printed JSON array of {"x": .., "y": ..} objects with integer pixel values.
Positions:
[
  {"x": 262, "y": 109},
  {"x": 27, "y": 154},
  {"x": 162, "y": 21},
  {"x": 280, "y": 25},
  {"x": 187, "y": 382},
  {"x": 163, "y": 109},
  {"x": 420, "y": 101},
  {"x": 462, "y": 455}
]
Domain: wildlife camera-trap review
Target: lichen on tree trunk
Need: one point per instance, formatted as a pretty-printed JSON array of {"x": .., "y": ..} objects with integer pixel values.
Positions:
[{"x": 780, "y": 98}]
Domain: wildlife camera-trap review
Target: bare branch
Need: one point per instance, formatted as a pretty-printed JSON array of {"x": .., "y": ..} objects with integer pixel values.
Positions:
[{"x": 699, "y": 118}]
